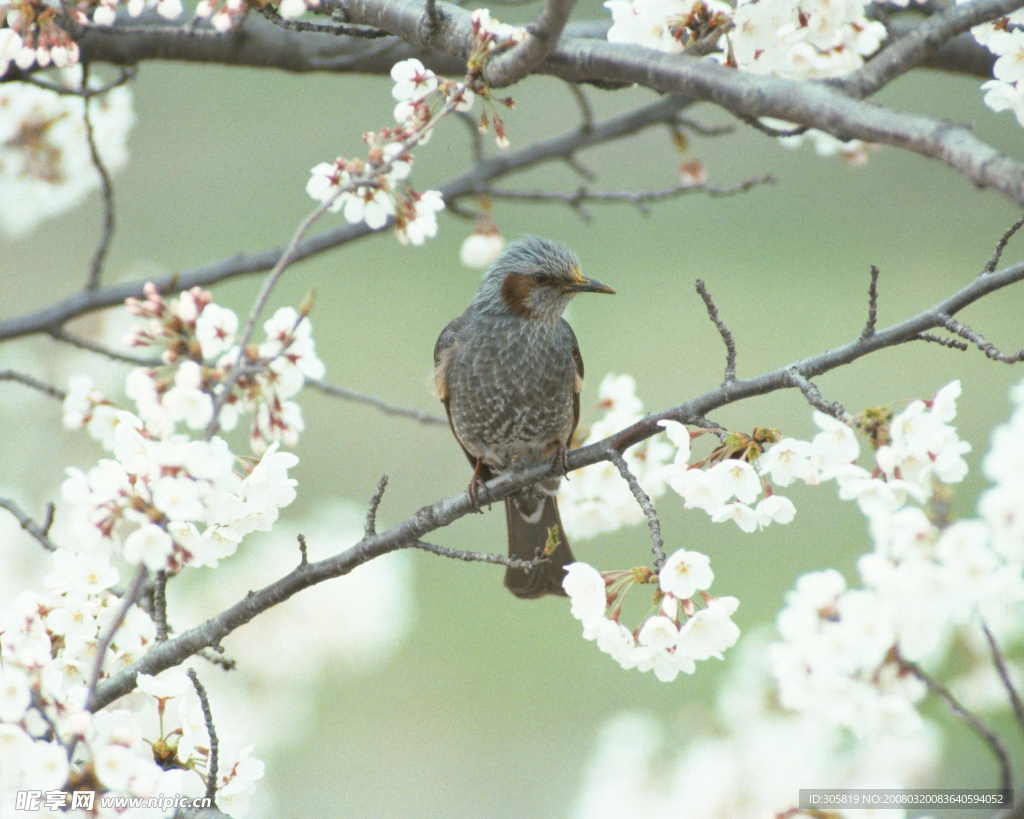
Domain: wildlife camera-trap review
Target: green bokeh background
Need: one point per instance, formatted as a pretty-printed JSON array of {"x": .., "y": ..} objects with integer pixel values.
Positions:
[{"x": 491, "y": 707}]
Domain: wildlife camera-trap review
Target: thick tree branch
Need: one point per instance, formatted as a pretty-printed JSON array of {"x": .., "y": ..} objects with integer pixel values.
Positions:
[
  {"x": 824, "y": 106},
  {"x": 920, "y": 42},
  {"x": 541, "y": 37},
  {"x": 812, "y": 105},
  {"x": 257, "y": 43},
  {"x": 410, "y": 532}
]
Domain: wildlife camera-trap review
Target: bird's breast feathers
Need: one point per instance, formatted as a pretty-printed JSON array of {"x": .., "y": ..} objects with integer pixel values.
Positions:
[{"x": 510, "y": 387}]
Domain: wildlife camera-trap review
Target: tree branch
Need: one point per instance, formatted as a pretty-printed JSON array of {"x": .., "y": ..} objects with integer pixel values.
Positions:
[
  {"x": 641, "y": 199},
  {"x": 824, "y": 106},
  {"x": 646, "y": 505},
  {"x": 211, "y": 768},
  {"x": 34, "y": 383},
  {"x": 388, "y": 409},
  {"x": 723, "y": 331},
  {"x": 410, "y": 532},
  {"x": 468, "y": 183},
  {"x": 976, "y": 725},
  {"x": 920, "y": 42},
  {"x": 541, "y": 37},
  {"x": 1004, "y": 675},
  {"x": 39, "y": 532}
]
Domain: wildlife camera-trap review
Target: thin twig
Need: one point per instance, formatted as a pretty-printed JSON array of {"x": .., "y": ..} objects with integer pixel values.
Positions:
[
  {"x": 476, "y": 139},
  {"x": 371, "y": 511},
  {"x": 303, "y": 550},
  {"x": 211, "y": 768},
  {"x": 30, "y": 526},
  {"x": 974, "y": 337},
  {"x": 646, "y": 504},
  {"x": 730, "y": 344},
  {"x": 217, "y": 658},
  {"x": 869, "y": 327},
  {"x": 976, "y": 725},
  {"x": 816, "y": 399},
  {"x": 1004, "y": 675},
  {"x": 60, "y": 334},
  {"x": 703, "y": 129},
  {"x": 579, "y": 168},
  {"x": 756, "y": 123},
  {"x": 127, "y": 74},
  {"x": 1001, "y": 245},
  {"x": 586, "y": 112},
  {"x": 952, "y": 343},
  {"x": 478, "y": 557},
  {"x": 106, "y": 189},
  {"x": 641, "y": 199},
  {"x": 271, "y": 280},
  {"x": 160, "y": 605},
  {"x": 373, "y": 401},
  {"x": 127, "y": 602},
  {"x": 34, "y": 383}
]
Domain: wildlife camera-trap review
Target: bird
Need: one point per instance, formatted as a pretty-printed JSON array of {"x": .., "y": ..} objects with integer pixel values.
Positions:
[{"x": 509, "y": 373}]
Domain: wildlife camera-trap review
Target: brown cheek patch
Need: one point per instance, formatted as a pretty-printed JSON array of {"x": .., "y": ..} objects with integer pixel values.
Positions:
[{"x": 515, "y": 290}]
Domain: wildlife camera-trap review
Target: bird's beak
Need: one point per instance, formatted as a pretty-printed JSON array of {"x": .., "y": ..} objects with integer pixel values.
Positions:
[{"x": 585, "y": 285}]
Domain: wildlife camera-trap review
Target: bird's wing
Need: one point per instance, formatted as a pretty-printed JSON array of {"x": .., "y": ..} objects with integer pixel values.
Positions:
[
  {"x": 443, "y": 349},
  {"x": 577, "y": 386},
  {"x": 446, "y": 345}
]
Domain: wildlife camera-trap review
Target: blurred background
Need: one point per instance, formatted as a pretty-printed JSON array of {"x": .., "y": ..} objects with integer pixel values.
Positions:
[{"x": 471, "y": 703}]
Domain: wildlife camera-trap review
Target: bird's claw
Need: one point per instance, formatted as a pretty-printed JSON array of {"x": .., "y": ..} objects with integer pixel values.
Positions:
[
  {"x": 474, "y": 488},
  {"x": 475, "y": 485},
  {"x": 559, "y": 462}
]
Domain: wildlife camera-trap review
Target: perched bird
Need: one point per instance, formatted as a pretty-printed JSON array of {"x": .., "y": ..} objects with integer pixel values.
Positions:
[{"x": 509, "y": 373}]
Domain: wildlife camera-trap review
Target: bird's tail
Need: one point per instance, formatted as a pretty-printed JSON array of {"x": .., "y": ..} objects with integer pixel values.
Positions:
[{"x": 533, "y": 520}]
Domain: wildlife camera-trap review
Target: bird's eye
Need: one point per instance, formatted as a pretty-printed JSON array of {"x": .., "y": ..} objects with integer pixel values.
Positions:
[{"x": 541, "y": 278}]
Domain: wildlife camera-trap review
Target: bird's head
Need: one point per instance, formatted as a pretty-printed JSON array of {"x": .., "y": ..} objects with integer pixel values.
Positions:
[{"x": 534, "y": 278}]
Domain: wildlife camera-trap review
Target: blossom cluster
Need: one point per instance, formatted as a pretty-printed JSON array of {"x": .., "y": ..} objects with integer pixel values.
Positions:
[
  {"x": 46, "y": 165},
  {"x": 374, "y": 190},
  {"x": 222, "y": 14},
  {"x": 730, "y": 489},
  {"x": 596, "y": 500},
  {"x": 204, "y": 371},
  {"x": 29, "y": 35},
  {"x": 916, "y": 451},
  {"x": 50, "y": 742},
  {"x": 748, "y": 757},
  {"x": 847, "y": 659},
  {"x": 161, "y": 485},
  {"x": 848, "y": 654},
  {"x": 1005, "y": 39},
  {"x": 784, "y": 38},
  {"x": 164, "y": 500},
  {"x": 674, "y": 638}
]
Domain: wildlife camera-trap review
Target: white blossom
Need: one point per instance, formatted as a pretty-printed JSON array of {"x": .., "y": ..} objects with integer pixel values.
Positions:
[
  {"x": 685, "y": 573},
  {"x": 412, "y": 80}
]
